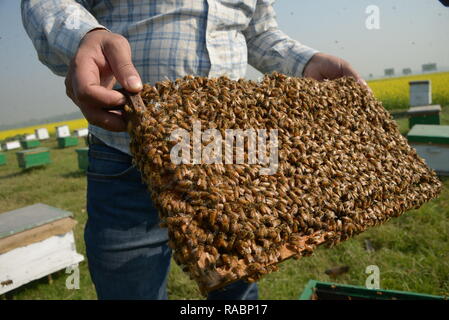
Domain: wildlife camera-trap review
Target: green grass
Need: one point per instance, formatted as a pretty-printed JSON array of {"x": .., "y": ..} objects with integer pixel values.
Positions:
[{"x": 412, "y": 251}]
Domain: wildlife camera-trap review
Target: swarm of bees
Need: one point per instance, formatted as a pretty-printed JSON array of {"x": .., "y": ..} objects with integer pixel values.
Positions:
[{"x": 343, "y": 167}]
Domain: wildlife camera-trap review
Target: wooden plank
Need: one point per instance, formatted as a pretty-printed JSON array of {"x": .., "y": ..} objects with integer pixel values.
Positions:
[
  {"x": 37, "y": 234},
  {"x": 32, "y": 151},
  {"x": 218, "y": 278},
  {"x": 29, "y": 217},
  {"x": 37, "y": 260}
]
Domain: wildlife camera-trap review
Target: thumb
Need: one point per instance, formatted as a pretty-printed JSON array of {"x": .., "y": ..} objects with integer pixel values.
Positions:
[{"x": 118, "y": 55}]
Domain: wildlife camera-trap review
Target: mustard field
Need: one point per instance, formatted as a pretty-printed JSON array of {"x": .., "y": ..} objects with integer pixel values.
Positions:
[
  {"x": 394, "y": 92},
  {"x": 73, "y": 124}
]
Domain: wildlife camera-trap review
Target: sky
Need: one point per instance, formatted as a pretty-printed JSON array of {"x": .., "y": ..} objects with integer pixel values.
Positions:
[{"x": 411, "y": 32}]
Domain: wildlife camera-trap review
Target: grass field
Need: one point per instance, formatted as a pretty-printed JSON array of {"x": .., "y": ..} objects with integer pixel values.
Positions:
[
  {"x": 412, "y": 251},
  {"x": 394, "y": 92}
]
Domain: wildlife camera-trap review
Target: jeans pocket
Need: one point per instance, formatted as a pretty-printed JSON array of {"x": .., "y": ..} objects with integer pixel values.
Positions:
[{"x": 106, "y": 163}]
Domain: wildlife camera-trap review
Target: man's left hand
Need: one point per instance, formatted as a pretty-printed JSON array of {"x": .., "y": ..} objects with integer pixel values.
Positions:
[{"x": 324, "y": 66}]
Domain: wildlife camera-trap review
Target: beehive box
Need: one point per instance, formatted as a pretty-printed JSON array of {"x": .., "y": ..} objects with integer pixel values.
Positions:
[
  {"x": 35, "y": 241},
  {"x": 83, "y": 159},
  {"x": 33, "y": 158},
  {"x": 432, "y": 144},
  {"x": 82, "y": 132},
  {"x": 41, "y": 133},
  {"x": 29, "y": 144},
  {"x": 424, "y": 115},
  {"x": 11, "y": 145},
  {"x": 2, "y": 159},
  {"x": 30, "y": 136},
  {"x": 340, "y": 166},
  {"x": 420, "y": 93},
  {"x": 62, "y": 131},
  {"x": 317, "y": 290},
  {"x": 66, "y": 142}
]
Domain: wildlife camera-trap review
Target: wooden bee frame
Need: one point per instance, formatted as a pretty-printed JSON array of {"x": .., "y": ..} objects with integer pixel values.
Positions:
[{"x": 343, "y": 167}]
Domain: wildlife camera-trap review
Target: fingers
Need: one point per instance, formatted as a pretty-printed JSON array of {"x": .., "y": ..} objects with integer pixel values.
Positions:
[
  {"x": 101, "y": 60},
  {"x": 83, "y": 86},
  {"x": 118, "y": 54},
  {"x": 348, "y": 70},
  {"x": 87, "y": 87}
]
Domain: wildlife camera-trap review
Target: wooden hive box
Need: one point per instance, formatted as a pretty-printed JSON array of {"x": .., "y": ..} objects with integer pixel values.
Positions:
[
  {"x": 317, "y": 290},
  {"x": 2, "y": 159},
  {"x": 65, "y": 142},
  {"x": 62, "y": 131},
  {"x": 29, "y": 144},
  {"x": 424, "y": 115},
  {"x": 83, "y": 160},
  {"x": 33, "y": 157},
  {"x": 30, "y": 136},
  {"x": 432, "y": 143},
  {"x": 35, "y": 241},
  {"x": 420, "y": 93},
  {"x": 82, "y": 132},
  {"x": 11, "y": 145},
  {"x": 42, "y": 133}
]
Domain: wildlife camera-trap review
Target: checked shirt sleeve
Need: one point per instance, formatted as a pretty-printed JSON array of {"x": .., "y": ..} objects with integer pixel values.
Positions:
[
  {"x": 269, "y": 49},
  {"x": 56, "y": 28}
]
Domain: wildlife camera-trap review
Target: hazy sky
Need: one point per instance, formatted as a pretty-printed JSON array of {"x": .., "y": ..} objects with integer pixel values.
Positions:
[{"x": 412, "y": 32}]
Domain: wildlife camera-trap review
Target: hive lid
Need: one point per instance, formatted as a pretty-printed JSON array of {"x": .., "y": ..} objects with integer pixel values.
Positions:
[
  {"x": 424, "y": 109},
  {"x": 37, "y": 150},
  {"x": 417, "y": 82},
  {"x": 29, "y": 217},
  {"x": 429, "y": 133}
]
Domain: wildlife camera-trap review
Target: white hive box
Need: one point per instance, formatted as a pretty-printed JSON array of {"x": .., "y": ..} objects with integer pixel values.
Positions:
[
  {"x": 420, "y": 93},
  {"x": 31, "y": 136},
  {"x": 432, "y": 144},
  {"x": 42, "y": 133},
  {"x": 82, "y": 132},
  {"x": 35, "y": 241},
  {"x": 11, "y": 145},
  {"x": 62, "y": 131}
]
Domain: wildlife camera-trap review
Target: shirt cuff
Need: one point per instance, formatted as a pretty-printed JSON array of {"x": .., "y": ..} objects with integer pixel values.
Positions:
[{"x": 304, "y": 55}]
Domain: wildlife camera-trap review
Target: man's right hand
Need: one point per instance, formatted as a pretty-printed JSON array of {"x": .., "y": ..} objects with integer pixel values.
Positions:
[{"x": 102, "y": 59}]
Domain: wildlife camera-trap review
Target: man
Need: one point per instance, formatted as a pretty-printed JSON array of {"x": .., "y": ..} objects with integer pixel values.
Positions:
[{"x": 98, "y": 45}]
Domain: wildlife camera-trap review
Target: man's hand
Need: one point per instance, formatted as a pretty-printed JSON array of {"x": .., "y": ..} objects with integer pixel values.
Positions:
[
  {"x": 323, "y": 66},
  {"x": 102, "y": 59}
]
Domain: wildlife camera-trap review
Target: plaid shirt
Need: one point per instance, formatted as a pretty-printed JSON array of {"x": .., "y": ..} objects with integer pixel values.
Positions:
[{"x": 168, "y": 39}]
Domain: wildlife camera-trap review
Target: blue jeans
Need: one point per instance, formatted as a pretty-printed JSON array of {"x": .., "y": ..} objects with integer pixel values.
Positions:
[{"x": 127, "y": 251}]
